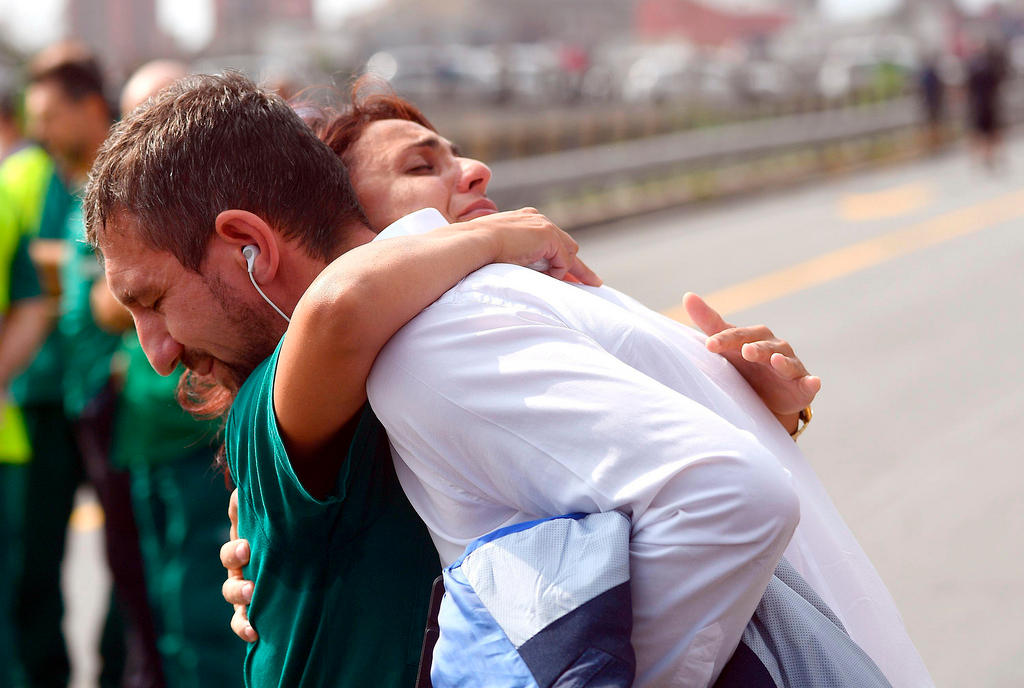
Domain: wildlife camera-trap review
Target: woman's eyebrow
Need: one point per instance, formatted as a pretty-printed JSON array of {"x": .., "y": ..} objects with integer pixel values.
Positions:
[
  {"x": 426, "y": 142},
  {"x": 434, "y": 142}
]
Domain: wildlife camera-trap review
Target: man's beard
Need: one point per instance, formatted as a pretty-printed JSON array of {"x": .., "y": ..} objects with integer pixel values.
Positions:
[{"x": 255, "y": 330}]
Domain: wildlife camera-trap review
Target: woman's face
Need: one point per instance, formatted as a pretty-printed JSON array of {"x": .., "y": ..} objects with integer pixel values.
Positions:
[{"x": 398, "y": 167}]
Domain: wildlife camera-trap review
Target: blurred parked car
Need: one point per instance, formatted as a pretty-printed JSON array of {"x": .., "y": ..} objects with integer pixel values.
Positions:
[
  {"x": 882, "y": 63},
  {"x": 429, "y": 73}
]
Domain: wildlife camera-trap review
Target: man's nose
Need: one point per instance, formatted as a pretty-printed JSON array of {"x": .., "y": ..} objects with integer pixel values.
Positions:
[
  {"x": 475, "y": 176},
  {"x": 161, "y": 349}
]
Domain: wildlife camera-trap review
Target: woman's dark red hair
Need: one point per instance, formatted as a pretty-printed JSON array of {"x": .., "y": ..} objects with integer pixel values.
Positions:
[{"x": 370, "y": 100}]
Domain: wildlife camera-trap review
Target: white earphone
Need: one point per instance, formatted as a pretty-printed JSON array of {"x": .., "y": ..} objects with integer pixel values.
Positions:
[{"x": 251, "y": 252}]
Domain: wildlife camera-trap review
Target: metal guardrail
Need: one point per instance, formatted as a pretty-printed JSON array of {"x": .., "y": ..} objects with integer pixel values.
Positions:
[{"x": 531, "y": 181}]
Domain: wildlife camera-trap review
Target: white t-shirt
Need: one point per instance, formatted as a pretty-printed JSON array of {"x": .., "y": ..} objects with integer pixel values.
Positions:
[{"x": 515, "y": 396}]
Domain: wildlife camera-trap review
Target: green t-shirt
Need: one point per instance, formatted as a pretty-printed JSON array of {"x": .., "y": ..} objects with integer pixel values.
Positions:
[
  {"x": 87, "y": 348},
  {"x": 57, "y": 204},
  {"x": 150, "y": 427},
  {"x": 342, "y": 584},
  {"x": 24, "y": 278},
  {"x": 42, "y": 382}
]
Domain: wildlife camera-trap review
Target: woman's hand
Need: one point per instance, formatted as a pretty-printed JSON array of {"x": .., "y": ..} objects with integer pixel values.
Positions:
[
  {"x": 766, "y": 362},
  {"x": 526, "y": 237}
]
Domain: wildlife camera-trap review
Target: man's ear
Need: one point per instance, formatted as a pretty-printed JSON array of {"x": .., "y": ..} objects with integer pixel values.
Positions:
[{"x": 236, "y": 229}]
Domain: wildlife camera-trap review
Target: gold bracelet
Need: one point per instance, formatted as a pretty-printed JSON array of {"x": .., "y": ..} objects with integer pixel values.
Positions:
[{"x": 803, "y": 420}]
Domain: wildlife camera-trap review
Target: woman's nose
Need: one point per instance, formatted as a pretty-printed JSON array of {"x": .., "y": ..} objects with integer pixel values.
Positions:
[{"x": 475, "y": 175}]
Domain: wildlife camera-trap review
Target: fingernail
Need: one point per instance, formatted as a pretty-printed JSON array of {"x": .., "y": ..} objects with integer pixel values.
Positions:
[
  {"x": 247, "y": 592},
  {"x": 250, "y": 633}
]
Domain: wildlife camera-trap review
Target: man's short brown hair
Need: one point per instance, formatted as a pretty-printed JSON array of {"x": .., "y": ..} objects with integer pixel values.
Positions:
[{"x": 210, "y": 143}]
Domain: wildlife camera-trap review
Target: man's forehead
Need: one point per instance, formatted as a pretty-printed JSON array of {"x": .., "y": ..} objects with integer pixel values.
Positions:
[
  {"x": 112, "y": 243},
  {"x": 132, "y": 267}
]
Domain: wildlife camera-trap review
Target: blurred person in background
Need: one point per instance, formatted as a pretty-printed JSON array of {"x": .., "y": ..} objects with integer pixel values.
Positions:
[
  {"x": 27, "y": 317},
  {"x": 932, "y": 92},
  {"x": 178, "y": 498},
  {"x": 67, "y": 389},
  {"x": 11, "y": 136},
  {"x": 38, "y": 201},
  {"x": 986, "y": 70},
  {"x": 26, "y": 171}
]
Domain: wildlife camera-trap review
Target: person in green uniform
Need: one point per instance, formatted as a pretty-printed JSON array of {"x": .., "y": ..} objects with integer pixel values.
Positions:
[
  {"x": 27, "y": 317},
  {"x": 343, "y": 576},
  {"x": 178, "y": 501},
  {"x": 53, "y": 475},
  {"x": 67, "y": 111}
]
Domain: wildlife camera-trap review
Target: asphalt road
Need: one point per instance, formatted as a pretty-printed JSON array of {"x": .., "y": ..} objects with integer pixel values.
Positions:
[{"x": 901, "y": 288}]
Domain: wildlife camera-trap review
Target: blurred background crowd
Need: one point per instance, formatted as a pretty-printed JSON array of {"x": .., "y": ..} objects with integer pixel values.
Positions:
[
  {"x": 590, "y": 109},
  {"x": 518, "y": 79}
]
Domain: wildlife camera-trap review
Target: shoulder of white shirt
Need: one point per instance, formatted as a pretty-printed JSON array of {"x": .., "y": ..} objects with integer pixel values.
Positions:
[{"x": 429, "y": 219}]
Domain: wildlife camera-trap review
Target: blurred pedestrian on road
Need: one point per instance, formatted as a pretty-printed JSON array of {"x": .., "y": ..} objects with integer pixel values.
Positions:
[
  {"x": 986, "y": 70},
  {"x": 932, "y": 91}
]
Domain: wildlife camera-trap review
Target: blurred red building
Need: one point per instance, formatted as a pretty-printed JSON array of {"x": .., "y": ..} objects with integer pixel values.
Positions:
[
  {"x": 124, "y": 33},
  {"x": 703, "y": 24},
  {"x": 240, "y": 24}
]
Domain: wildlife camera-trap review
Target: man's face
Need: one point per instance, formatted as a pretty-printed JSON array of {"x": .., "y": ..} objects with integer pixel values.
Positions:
[
  {"x": 203, "y": 321},
  {"x": 58, "y": 122},
  {"x": 398, "y": 167}
]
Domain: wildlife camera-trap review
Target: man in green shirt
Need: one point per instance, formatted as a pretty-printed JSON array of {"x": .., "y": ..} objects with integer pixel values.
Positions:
[{"x": 358, "y": 553}]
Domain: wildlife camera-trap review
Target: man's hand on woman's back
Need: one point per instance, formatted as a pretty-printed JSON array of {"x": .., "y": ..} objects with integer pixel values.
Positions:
[{"x": 236, "y": 590}]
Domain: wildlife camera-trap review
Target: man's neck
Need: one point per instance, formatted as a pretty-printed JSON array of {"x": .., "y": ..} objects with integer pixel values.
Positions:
[
  {"x": 303, "y": 269},
  {"x": 353, "y": 236}
]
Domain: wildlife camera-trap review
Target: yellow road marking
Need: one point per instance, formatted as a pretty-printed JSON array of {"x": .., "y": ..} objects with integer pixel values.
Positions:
[
  {"x": 894, "y": 202},
  {"x": 861, "y": 255},
  {"x": 87, "y": 516}
]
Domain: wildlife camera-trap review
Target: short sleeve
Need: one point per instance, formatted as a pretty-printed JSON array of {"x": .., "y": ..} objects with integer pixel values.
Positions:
[
  {"x": 24, "y": 278},
  {"x": 261, "y": 467},
  {"x": 56, "y": 206}
]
